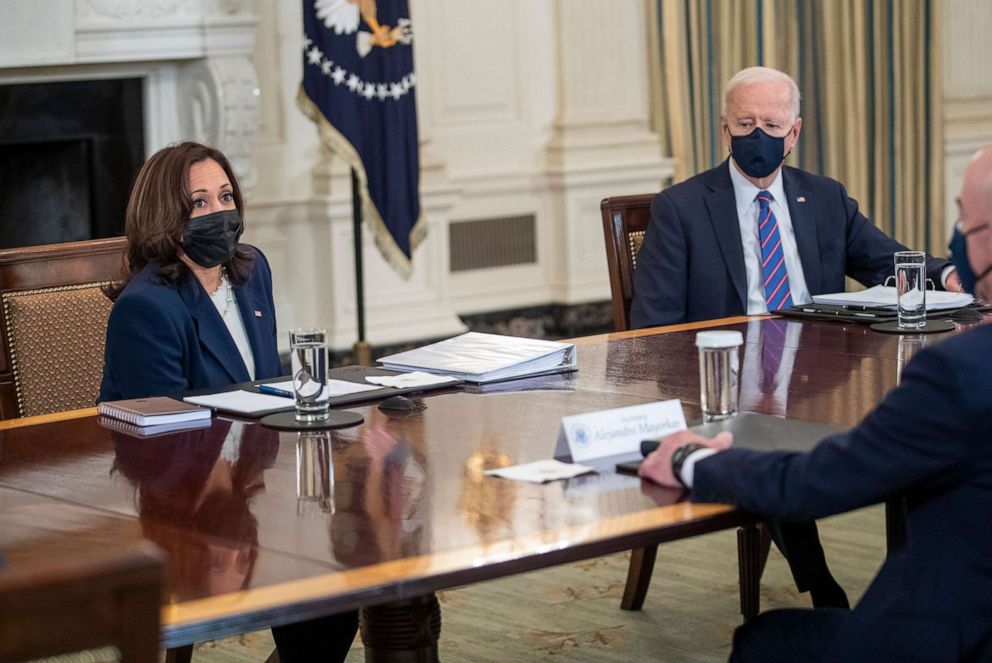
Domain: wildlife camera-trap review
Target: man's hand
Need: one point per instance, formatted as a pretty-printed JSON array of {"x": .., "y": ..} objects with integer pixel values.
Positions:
[
  {"x": 953, "y": 283},
  {"x": 658, "y": 465}
]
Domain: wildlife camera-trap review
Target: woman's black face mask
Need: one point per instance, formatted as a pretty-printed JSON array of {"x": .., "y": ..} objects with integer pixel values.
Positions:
[{"x": 212, "y": 239}]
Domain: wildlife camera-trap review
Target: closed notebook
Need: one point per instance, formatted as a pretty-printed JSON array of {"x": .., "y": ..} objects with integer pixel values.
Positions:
[
  {"x": 156, "y": 410},
  {"x": 152, "y": 431}
]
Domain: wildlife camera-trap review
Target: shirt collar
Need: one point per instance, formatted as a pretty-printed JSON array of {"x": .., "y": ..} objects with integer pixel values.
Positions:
[{"x": 745, "y": 191}]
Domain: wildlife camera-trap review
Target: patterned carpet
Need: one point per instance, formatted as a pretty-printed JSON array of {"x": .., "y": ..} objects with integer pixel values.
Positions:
[{"x": 571, "y": 613}]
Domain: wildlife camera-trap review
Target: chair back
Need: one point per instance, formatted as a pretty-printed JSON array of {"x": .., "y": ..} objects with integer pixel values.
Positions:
[
  {"x": 53, "y": 324},
  {"x": 625, "y": 220},
  {"x": 103, "y": 606}
]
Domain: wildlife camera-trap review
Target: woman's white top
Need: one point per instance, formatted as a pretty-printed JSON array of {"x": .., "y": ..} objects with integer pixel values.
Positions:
[{"x": 225, "y": 301}]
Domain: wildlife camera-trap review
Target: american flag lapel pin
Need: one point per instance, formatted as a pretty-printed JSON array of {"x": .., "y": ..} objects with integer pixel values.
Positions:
[
  {"x": 801, "y": 199},
  {"x": 258, "y": 314}
]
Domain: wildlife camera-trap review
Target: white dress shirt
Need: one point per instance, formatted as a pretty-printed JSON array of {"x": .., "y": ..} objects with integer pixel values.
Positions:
[
  {"x": 747, "y": 215},
  {"x": 231, "y": 315}
]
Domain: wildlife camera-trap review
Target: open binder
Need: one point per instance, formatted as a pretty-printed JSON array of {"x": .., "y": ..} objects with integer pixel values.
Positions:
[{"x": 480, "y": 358}]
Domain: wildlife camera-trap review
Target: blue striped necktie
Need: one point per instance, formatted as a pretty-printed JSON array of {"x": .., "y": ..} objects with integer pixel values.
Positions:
[{"x": 775, "y": 276}]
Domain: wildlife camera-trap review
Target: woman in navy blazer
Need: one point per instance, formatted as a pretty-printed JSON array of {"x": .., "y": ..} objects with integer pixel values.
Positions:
[
  {"x": 196, "y": 311},
  {"x": 186, "y": 285}
]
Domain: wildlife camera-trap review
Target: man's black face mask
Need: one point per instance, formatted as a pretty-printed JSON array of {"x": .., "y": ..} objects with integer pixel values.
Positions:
[
  {"x": 758, "y": 154},
  {"x": 959, "y": 256},
  {"x": 211, "y": 239}
]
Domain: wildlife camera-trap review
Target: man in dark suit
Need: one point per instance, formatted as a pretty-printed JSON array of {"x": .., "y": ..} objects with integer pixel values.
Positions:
[
  {"x": 928, "y": 440},
  {"x": 750, "y": 235}
]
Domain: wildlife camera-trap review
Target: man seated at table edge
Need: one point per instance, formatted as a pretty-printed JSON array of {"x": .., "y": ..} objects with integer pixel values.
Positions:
[
  {"x": 927, "y": 443},
  {"x": 704, "y": 255}
]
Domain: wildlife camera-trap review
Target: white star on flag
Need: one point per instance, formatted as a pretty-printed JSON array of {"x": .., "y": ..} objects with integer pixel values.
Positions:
[
  {"x": 369, "y": 91},
  {"x": 314, "y": 55},
  {"x": 354, "y": 83},
  {"x": 395, "y": 90},
  {"x": 380, "y": 91},
  {"x": 338, "y": 75},
  {"x": 325, "y": 67}
]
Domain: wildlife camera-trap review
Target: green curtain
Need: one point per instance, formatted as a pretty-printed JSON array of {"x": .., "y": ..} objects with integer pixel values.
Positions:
[{"x": 869, "y": 72}]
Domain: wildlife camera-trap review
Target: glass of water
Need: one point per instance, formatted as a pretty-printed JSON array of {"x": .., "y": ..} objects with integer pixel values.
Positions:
[
  {"x": 718, "y": 370},
  {"x": 911, "y": 288},
  {"x": 308, "y": 348}
]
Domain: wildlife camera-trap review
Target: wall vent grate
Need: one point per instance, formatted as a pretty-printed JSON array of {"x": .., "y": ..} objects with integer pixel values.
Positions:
[{"x": 488, "y": 243}]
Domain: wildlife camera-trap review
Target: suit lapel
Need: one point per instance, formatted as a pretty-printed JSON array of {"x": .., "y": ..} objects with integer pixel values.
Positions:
[
  {"x": 722, "y": 207},
  {"x": 212, "y": 331},
  {"x": 804, "y": 226}
]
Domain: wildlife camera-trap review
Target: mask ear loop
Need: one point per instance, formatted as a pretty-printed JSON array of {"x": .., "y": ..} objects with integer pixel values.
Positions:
[{"x": 890, "y": 277}]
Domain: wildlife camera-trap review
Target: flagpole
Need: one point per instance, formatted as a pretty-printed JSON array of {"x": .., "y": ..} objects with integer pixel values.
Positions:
[{"x": 362, "y": 350}]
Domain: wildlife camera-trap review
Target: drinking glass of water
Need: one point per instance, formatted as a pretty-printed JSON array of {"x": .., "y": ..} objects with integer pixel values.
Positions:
[
  {"x": 308, "y": 348},
  {"x": 911, "y": 288},
  {"x": 718, "y": 370}
]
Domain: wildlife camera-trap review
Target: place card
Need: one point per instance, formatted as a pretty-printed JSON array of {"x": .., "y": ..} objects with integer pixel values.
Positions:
[{"x": 617, "y": 431}]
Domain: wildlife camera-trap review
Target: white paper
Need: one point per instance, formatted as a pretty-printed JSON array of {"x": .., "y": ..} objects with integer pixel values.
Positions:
[
  {"x": 885, "y": 296},
  {"x": 617, "y": 431},
  {"x": 242, "y": 402},
  {"x": 541, "y": 471},
  {"x": 334, "y": 387},
  {"x": 477, "y": 357},
  {"x": 414, "y": 379}
]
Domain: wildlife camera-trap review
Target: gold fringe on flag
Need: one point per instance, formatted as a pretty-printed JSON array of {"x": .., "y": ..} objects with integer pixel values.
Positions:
[{"x": 341, "y": 147}]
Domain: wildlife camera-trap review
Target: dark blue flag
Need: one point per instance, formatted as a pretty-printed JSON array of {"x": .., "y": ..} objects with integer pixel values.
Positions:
[{"x": 358, "y": 86}]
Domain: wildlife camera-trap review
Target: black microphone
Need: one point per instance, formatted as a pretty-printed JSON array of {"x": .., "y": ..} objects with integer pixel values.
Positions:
[{"x": 648, "y": 446}]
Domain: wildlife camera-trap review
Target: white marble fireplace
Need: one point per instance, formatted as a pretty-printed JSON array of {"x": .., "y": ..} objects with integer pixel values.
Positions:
[{"x": 192, "y": 57}]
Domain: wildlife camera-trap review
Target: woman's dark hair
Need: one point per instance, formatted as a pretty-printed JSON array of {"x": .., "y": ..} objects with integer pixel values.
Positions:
[{"x": 159, "y": 207}]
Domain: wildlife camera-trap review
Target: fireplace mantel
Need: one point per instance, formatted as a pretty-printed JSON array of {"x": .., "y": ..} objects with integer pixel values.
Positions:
[{"x": 192, "y": 55}]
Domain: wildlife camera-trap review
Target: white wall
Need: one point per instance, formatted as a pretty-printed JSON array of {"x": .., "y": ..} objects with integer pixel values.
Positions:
[
  {"x": 525, "y": 107},
  {"x": 967, "y": 90}
]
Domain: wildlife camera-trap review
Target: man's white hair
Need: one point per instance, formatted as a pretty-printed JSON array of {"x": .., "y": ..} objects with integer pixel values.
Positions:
[{"x": 763, "y": 75}]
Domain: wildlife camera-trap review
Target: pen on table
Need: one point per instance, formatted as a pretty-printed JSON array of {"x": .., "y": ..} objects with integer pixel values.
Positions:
[{"x": 275, "y": 391}]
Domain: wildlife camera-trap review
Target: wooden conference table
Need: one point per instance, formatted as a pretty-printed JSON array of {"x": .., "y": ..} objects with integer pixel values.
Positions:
[{"x": 261, "y": 529}]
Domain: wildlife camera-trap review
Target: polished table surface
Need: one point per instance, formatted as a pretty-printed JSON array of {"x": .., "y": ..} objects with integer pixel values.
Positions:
[{"x": 257, "y": 533}]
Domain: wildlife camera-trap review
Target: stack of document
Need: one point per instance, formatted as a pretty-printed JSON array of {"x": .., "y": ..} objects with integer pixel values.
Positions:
[
  {"x": 477, "y": 357},
  {"x": 152, "y": 411},
  {"x": 143, "y": 417},
  {"x": 885, "y": 297},
  {"x": 153, "y": 430}
]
